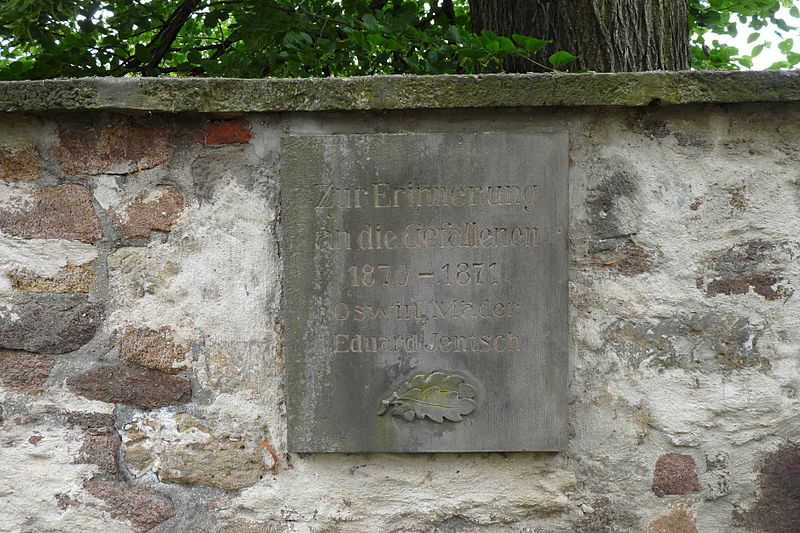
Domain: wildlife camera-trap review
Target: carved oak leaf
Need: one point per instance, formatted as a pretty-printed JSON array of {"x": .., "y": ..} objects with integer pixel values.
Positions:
[{"x": 435, "y": 395}]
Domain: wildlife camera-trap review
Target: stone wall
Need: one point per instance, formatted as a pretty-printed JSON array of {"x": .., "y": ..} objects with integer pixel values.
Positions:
[{"x": 141, "y": 368}]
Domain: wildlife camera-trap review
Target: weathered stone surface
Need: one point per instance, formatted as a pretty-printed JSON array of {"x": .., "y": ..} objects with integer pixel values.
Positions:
[
  {"x": 751, "y": 265},
  {"x": 49, "y": 327},
  {"x": 603, "y": 516},
  {"x": 19, "y": 164},
  {"x": 675, "y": 474},
  {"x": 248, "y": 526},
  {"x": 400, "y": 92},
  {"x": 622, "y": 254},
  {"x": 70, "y": 279},
  {"x": 154, "y": 349},
  {"x": 227, "y": 132},
  {"x": 58, "y": 212},
  {"x": 182, "y": 450},
  {"x": 680, "y": 520},
  {"x": 118, "y": 147},
  {"x": 24, "y": 371},
  {"x": 140, "y": 387},
  {"x": 710, "y": 342},
  {"x": 144, "y": 508},
  {"x": 777, "y": 509},
  {"x": 153, "y": 212}
]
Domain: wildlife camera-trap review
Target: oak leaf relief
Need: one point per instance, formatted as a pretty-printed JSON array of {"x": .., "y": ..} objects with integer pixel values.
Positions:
[{"x": 435, "y": 395}]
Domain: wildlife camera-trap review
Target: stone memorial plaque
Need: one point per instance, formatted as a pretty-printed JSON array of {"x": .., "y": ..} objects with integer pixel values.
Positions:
[{"x": 426, "y": 291}]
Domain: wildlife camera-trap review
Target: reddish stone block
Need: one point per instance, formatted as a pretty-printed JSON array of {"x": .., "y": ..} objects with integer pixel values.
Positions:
[
  {"x": 19, "y": 164},
  {"x": 23, "y": 371},
  {"x": 228, "y": 132},
  {"x": 49, "y": 326},
  {"x": 91, "y": 421},
  {"x": 59, "y": 212},
  {"x": 680, "y": 520},
  {"x": 144, "y": 215},
  {"x": 153, "y": 349},
  {"x": 139, "y": 387},
  {"x": 144, "y": 508},
  {"x": 119, "y": 148},
  {"x": 777, "y": 508},
  {"x": 101, "y": 444},
  {"x": 675, "y": 474}
]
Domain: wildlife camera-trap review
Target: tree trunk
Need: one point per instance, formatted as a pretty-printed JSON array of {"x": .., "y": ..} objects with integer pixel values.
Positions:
[{"x": 606, "y": 35}]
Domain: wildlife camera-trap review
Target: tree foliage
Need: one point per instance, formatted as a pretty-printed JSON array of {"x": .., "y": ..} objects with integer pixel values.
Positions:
[
  {"x": 729, "y": 17},
  {"x": 281, "y": 38}
]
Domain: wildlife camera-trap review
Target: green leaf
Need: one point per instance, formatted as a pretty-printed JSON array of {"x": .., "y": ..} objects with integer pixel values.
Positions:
[
  {"x": 370, "y": 21},
  {"x": 561, "y": 58},
  {"x": 786, "y": 45},
  {"x": 779, "y": 65},
  {"x": 753, "y": 37},
  {"x": 795, "y": 12},
  {"x": 746, "y": 61},
  {"x": 472, "y": 53},
  {"x": 757, "y": 49},
  {"x": 506, "y": 44}
]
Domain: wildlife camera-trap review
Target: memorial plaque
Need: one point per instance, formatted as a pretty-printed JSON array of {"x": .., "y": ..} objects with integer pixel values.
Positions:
[{"x": 426, "y": 291}]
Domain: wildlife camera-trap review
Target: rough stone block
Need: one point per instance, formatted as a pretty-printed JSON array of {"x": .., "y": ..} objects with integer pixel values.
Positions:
[
  {"x": 102, "y": 441},
  {"x": 154, "y": 212},
  {"x": 24, "y": 371},
  {"x": 185, "y": 451},
  {"x": 228, "y": 132},
  {"x": 777, "y": 509},
  {"x": 48, "y": 327},
  {"x": 70, "y": 279},
  {"x": 58, "y": 212},
  {"x": 140, "y": 387},
  {"x": 19, "y": 164},
  {"x": 754, "y": 264},
  {"x": 117, "y": 148},
  {"x": 144, "y": 508},
  {"x": 675, "y": 474},
  {"x": 153, "y": 349},
  {"x": 680, "y": 520}
]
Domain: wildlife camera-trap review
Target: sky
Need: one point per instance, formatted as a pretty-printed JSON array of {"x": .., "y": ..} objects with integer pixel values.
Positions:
[{"x": 769, "y": 55}]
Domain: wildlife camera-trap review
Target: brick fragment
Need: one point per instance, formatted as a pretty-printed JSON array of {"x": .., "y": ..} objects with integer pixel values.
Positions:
[
  {"x": 58, "y": 212},
  {"x": 144, "y": 508},
  {"x": 153, "y": 349},
  {"x": 19, "y": 164},
  {"x": 675, "y": 474},
  {"x": 228, "y": 132},
  {"x": 72, "y": 279},
  {"x": 23, "y": 371},
  {"x": 49, "y": 328},
  {"x": 136, "y": 386},
  {"x": 158, "y": 212},
  {"x": 119, "y": 147}
]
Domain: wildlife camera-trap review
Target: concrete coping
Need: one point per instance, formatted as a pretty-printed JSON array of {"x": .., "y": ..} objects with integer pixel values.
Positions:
[{"x": 230, "y": 95}]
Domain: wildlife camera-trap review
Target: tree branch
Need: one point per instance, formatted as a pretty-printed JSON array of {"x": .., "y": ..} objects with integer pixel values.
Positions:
[{"x": 166, "y": 36}]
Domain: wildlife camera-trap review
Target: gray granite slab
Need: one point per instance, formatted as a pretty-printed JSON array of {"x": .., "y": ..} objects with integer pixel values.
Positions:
[{"x": 426, "y": 291}]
